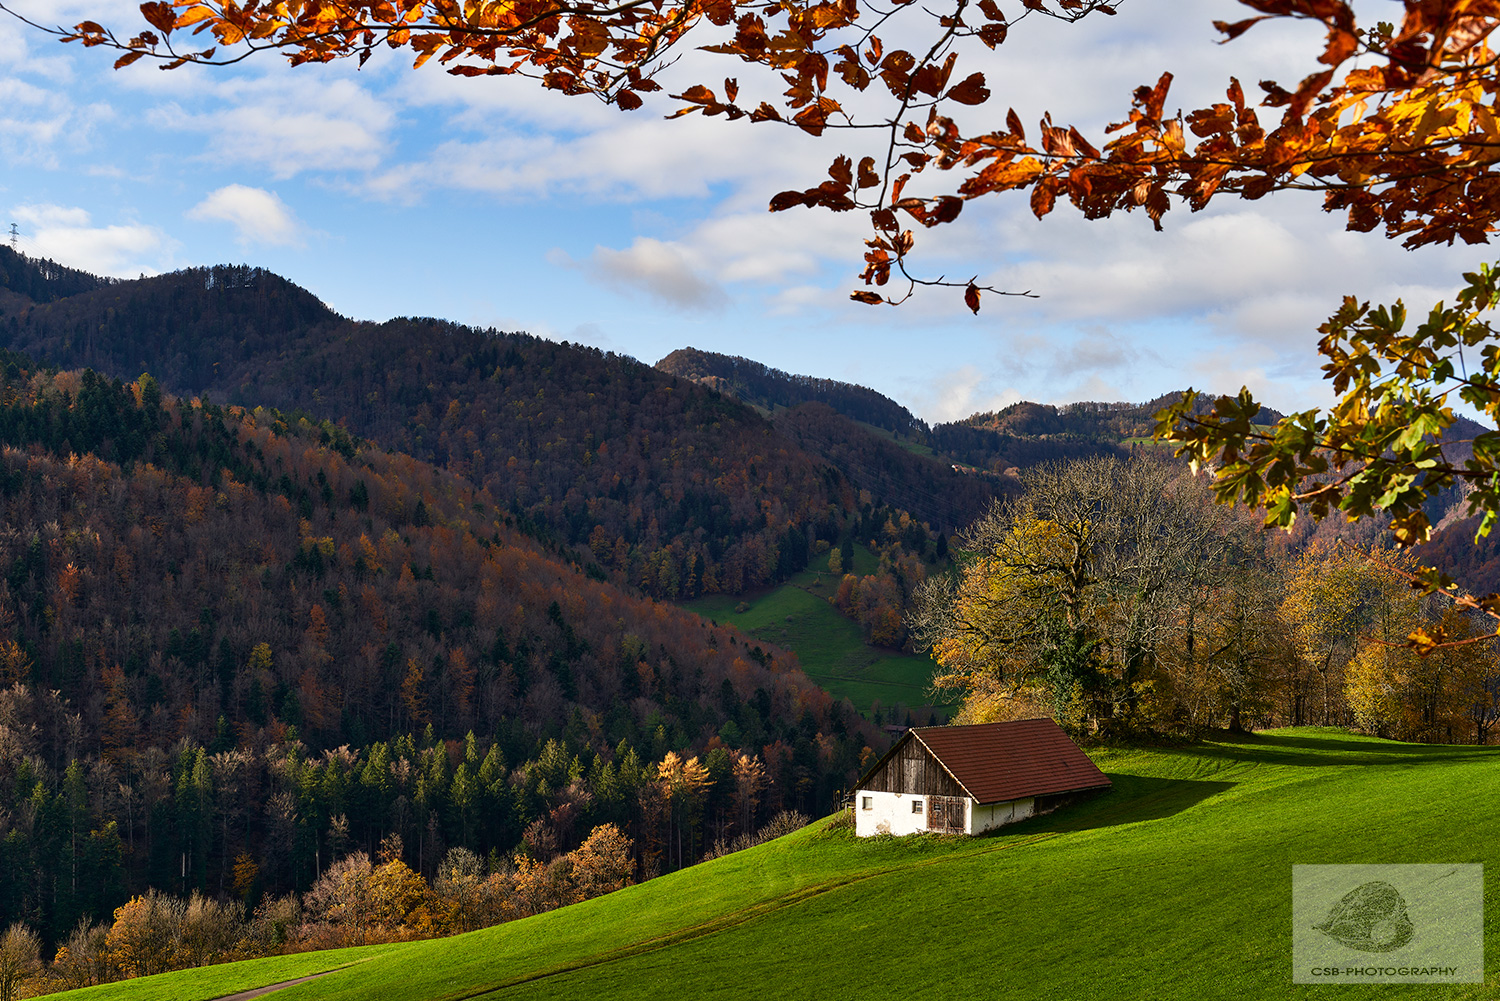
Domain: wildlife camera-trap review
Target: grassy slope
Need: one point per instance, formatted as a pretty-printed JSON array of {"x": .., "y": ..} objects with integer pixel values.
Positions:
[
  {"x": 228, "y": 978},
  {"x": 914, "y": 447},
  {"x": 832, "y": 650},
  {"x": 1175, "y": 885}
]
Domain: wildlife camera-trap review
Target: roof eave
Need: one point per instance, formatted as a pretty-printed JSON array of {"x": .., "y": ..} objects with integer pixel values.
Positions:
[{"x": 1106, "y": 784}]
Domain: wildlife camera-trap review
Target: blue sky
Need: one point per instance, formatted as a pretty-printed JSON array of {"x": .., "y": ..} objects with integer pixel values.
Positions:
[{"x": 391, "y": 192}]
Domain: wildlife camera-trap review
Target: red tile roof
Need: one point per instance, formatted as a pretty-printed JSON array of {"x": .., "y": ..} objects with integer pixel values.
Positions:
[{"x": 999, "y": 762}]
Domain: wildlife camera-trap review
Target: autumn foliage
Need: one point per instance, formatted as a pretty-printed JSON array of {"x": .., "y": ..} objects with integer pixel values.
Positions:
[
  {"x": 1120, "y": 600},
  {"x": 668, "y": 486},
  {"x": 1391, "y": 122}
]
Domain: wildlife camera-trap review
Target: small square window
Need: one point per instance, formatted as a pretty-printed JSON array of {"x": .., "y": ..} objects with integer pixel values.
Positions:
[
  {"x": 916, "y": 806},
  {"x": 866, "y": 803}
]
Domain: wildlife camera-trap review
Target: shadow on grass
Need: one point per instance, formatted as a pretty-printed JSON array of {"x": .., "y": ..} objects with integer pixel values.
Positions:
[
  {"x": 1320, "y": 748},
  {"x": 1133, "y": 799}
]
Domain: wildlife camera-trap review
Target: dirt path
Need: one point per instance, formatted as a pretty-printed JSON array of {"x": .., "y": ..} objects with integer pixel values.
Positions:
[{"x": 256, "y": 992}]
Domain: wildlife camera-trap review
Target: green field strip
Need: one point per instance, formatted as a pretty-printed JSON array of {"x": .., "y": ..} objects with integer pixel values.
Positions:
[{"x": 209, "y": 982}]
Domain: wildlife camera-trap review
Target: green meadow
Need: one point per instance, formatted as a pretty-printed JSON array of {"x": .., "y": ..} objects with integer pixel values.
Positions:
[
  {"x": 1176, "y": 884},
  {"x": 832, "y": 649}
]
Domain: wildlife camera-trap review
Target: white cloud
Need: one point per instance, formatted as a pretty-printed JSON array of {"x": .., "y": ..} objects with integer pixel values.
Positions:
[
  {"x": 258, "y": 216},
  {"x": 960, "y": 393},
  {"x": 66, "y": 235},
  {"x": 52, "y": 216},
  {"x": 661, "y": 270},
  {"x": 288, "y": 124}
]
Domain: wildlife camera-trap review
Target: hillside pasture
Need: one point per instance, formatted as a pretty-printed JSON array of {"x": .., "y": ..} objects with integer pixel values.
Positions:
[
  {"x": 1176, "y": 884},
  {"x": 798, "y": 616}
]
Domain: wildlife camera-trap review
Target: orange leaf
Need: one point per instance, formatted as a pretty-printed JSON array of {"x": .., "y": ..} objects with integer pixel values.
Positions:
[
  {"x": 1043, "y": 196},
  {"x": 868, "y": 298},
  {"x": 128, "y": 58},
  {"x": 193, "y": 15},
  {"x": 1157, "y": 96},
  {"x": 811, "y": 120}
]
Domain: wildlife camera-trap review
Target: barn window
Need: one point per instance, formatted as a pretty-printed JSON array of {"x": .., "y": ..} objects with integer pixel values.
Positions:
[
  {"x": 865, "y": 802},
  {"x": 916, "y": 806}
]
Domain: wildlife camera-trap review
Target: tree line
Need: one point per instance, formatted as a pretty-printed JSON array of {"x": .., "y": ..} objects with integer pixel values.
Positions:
[
  {"x": 244, "y": 881},
  {"x": 251, "y": 822},
  {"x": 1118, "y": 597}
]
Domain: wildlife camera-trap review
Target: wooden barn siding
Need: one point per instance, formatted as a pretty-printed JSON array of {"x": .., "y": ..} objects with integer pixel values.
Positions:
[{"x": 915, "y": 771}]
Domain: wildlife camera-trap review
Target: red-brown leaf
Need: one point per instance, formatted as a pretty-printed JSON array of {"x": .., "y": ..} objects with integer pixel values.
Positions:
[
  {"x": 1013, "y": 122},
  {"x": 971, "y": 297},
  {"x": 1238, "y": 28},
  {"x": 160, "y": 16},
  {"x": 970, "y": 90},
  {"x": 946, "y": 210}
]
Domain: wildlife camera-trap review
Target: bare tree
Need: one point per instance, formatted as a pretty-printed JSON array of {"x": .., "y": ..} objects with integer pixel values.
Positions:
[{"x": 20, "y": 959}]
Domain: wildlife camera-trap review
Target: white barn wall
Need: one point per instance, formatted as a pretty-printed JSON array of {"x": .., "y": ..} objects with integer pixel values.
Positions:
[
  {"x": 889, "y": 813},
  {"x": 993, "y": 815}
]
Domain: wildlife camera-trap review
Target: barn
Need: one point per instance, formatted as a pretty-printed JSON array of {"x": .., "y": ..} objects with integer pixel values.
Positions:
[{"x": 969, "y": 779}]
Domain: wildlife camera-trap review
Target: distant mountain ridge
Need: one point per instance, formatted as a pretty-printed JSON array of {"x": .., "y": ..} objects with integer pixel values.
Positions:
[
  {"x": 769, "y": 388},
  {"x": 672, "y": 486},
  {"x": 653, "y": 471}
]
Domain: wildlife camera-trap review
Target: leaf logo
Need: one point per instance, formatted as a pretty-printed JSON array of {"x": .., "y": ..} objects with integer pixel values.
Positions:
[{"x": 1371, "y": 918}]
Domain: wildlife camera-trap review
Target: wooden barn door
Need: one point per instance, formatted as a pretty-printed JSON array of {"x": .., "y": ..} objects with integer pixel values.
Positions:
[{"x": 945, "y": 814}]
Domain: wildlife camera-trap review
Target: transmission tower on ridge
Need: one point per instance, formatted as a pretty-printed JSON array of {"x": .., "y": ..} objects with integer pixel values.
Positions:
[{"x": 14, "y": 236}]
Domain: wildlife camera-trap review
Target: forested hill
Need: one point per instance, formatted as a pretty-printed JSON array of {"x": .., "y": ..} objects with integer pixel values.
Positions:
[
  {"x": 771, "y": 388},
  {"x": 919, "y": 482},
  {"x": 666, "y": 484},
  {"x": 673, "y": 486},
  {"x": 200, "y": 603},
  {"x": 166, "y": 564},
  {"x": 43, "y": 280}
]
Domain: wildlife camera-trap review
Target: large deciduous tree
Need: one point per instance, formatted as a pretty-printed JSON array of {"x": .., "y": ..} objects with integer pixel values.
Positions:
[{"x": 1099, "y": 591}]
